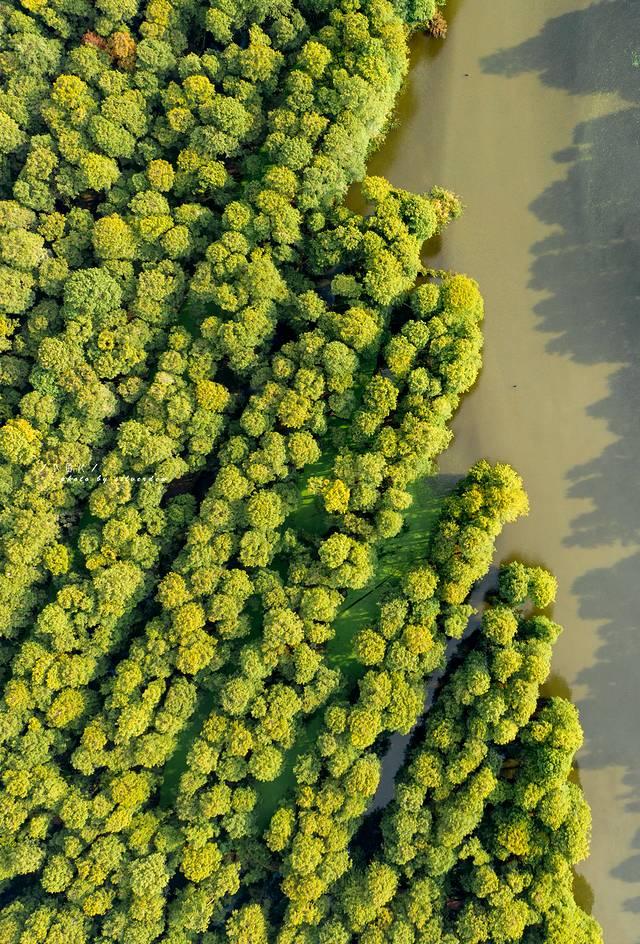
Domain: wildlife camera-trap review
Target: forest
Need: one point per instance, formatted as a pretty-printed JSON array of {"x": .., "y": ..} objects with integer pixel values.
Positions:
[{"x": 224, "y": 394}]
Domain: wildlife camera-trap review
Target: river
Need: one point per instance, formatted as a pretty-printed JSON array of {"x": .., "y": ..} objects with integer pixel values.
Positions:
[{"x": 530, "y": 111}]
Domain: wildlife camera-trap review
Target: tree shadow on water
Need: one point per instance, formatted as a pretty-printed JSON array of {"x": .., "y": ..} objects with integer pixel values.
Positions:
[
  {"x": 588, "y": 268},
  {"x": 583, "y": 51}
]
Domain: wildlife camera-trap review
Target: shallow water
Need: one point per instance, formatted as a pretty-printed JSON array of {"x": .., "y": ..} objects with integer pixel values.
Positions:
[{"x": 532, "y": 113}]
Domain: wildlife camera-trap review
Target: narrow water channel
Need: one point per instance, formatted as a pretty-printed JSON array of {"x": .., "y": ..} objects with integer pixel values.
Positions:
[{"x": 531, "y": 111}]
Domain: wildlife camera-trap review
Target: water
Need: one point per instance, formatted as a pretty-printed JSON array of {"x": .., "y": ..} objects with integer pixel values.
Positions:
[{"x": 530, "y": 110}]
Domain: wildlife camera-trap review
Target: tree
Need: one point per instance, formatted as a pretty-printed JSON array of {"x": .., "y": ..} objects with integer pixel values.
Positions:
[{"x": 248, "y": 924}]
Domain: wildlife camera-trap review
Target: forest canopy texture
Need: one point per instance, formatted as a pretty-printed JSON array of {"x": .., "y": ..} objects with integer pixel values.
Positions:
[{"x": 226, "y": 578}]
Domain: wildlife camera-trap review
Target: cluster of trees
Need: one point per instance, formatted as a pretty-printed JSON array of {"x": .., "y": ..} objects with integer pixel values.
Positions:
[
  {"x": 151, "y": 698},
  {"x": 144, "y": 199},
  {"x": 165, "y": 412},
  {"x": 479, "y": 842},
  {"x": 336, "y": 780},
  {"x": 188, "y": 311}
]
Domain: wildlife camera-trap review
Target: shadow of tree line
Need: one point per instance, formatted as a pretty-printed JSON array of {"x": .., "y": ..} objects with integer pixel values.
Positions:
[{"x": 588, "y": 267}]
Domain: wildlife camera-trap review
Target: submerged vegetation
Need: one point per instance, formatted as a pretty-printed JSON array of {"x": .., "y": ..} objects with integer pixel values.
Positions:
[{"x": 221, "y": 390}]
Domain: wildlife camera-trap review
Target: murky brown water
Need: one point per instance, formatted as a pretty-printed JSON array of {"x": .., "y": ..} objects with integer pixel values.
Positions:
[{"x": 530, "y": 110}]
